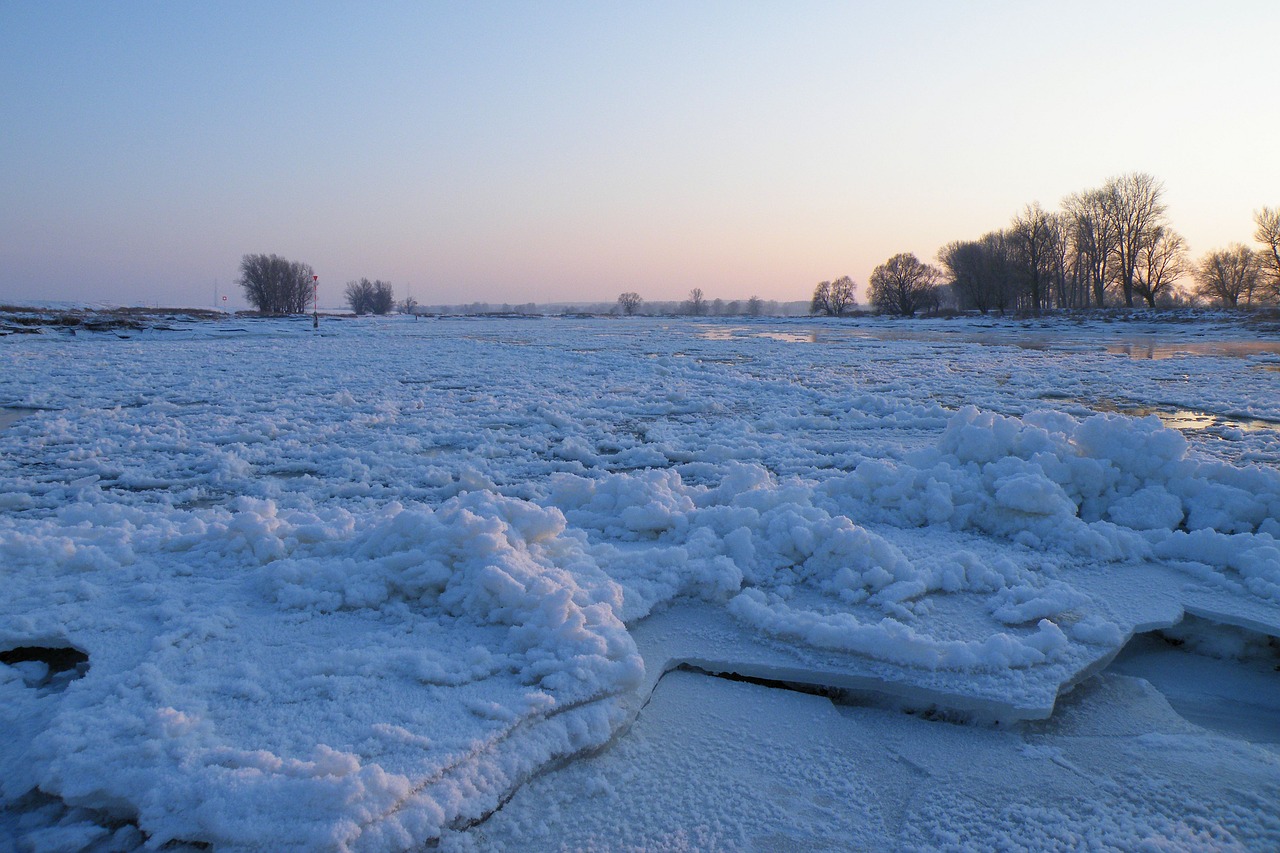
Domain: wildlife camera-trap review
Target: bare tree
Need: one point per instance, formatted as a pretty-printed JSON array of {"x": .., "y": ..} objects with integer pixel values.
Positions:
[
  {"x": 370, "y": 297},
  {"x": 1093, "y": 236},
  {"x": 902, "y": 285},
  {"x": 1268, "y": 234},
  {"x": 1034, "y": 235},
  {"x": 1161, "y": 262},
  {"x": 821, "y": 302},
  {"x": 274, "y": 285},
  {"x": 755, "y": 306},
  {"x": 1001, "y": 269},
  {"x": 409, "y": 305},
  {"x": 963, "y": 261},
  {"x": 833, "y": 298},
  {"x": 1135, "y": 210},
  {"x": 629, "y": 302},
  {"x": 1075, "y": 288},
  {"x": 1226, "y": 275},
  {"x": 359, "y": 294},
  {"x": 842, "y": 298},
  {"x": 696, "y": 304},
  {"x": 383, "y": 297},
  {"x": 983, "y": 273}
]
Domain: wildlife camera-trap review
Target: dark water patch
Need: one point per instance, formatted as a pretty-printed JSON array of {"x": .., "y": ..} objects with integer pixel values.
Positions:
[{"x": 49, "y": 668}]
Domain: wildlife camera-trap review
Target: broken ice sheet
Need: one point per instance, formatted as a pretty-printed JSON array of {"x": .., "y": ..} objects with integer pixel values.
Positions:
[{"x": 455, "y": 598}]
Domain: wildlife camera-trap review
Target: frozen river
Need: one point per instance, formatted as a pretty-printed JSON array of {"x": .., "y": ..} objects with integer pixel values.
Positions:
[{"x": 641, "y": 583}]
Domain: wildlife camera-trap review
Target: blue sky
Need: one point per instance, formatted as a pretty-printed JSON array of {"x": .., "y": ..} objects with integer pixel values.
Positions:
[{"x": 516, "y": 152}]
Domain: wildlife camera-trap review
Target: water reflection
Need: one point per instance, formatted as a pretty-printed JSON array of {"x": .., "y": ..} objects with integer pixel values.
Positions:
[
  {"x": 1146, "y": 347},
  {"x": 729, "y": 333},
  {"x": 1153, "y": 349},
  {"x": 1185, "y": 420},
  {"x": 791, "y": 337}
]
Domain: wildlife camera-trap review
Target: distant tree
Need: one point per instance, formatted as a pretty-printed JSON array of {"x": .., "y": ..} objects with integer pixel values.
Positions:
[
  {"x": 1092, "y": 234},
  {"x": 833, "y": 298},
  {"x": 696, "y": 304},
  {"x": 931, "y": 299},
  {"x": 1134, "y": 207},
  {"x": 370, "y": 297},
  {"x": 409, "y": 305},
  {"x": 821, "y": 302},
  {"x": 755, "y": 306},
  {"x": 630, "y": 302},
  {"x": 1001, "y": 270},
  {"x": 1268, "y": 234},
  {"x": 983, "y": 274},
  {"x": 964, "y": 262},
  {"x": 1063, "y": 287},
  {"x": 842, "y": 296},
  {"x": 1227, "y": 275},
  {"x": 359, "y": 295},
  {"x": 274, "y": 285},
  {"x": 1073, "y": 291},
  {"x": 902, "y": 285},
  {"x": 1034, "y": 235},
  {"x": 383, "y": 298},
  {"x": 1161, "y": 262}
]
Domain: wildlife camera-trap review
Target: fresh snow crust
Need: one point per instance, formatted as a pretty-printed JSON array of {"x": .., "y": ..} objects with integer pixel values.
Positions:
[{"x": 354, "y": 590}]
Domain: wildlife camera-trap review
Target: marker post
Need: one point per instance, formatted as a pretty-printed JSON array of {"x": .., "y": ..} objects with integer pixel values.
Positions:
[{"x": 315, "y": 301}]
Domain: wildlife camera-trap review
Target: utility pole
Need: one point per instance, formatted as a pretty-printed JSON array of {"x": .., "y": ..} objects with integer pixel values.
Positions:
[{"x": 315, "y": 302}]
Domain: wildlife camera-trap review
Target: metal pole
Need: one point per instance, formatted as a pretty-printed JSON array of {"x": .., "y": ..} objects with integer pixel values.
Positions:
[{"x": 315, "y": 302}]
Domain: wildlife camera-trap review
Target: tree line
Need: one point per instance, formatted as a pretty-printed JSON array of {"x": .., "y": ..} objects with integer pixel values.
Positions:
[
  {"x": 1107, "y": 246},
  {"x": 275, "y": 285},
  {"x": 697, "y": 305}
]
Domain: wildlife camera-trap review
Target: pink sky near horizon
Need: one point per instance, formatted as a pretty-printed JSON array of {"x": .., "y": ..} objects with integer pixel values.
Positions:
[{"x": 567, "y": 152}]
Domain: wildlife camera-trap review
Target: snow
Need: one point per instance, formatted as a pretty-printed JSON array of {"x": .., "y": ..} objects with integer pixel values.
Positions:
[{"x": 462, "y": 581}]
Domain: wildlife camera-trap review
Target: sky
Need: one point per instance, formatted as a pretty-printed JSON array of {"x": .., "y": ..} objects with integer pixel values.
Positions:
[{"x": 561, "y": 152}]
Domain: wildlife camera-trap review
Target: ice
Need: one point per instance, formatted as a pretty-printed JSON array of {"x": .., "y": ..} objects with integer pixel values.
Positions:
[
  {"x": 357, "y": 590},
  {"x": 1217, "y": 676},
  {"x": 724, "y": 765}
]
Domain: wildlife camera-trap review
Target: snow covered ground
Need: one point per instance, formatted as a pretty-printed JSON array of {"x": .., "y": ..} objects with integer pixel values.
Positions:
[{"x": 641, "y": 584}]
